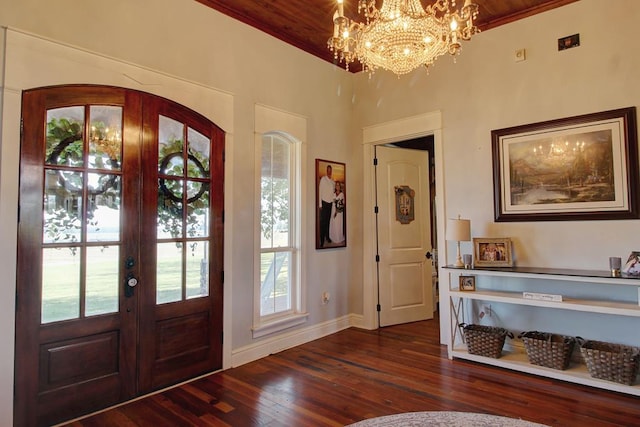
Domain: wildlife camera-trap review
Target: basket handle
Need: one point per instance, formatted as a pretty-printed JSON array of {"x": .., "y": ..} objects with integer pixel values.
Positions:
[{"x": 523, "y": 333}]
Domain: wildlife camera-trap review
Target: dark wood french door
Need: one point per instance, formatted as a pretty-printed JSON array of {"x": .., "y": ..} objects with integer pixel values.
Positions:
[{"x": 120, "y": 243}]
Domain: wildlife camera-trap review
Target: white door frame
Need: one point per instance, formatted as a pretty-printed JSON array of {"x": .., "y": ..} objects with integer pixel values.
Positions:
[{"x": 384, "y": 133}]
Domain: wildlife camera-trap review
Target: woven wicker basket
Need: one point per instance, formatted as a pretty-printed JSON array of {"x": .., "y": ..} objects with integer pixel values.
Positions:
[
  {"x": 547, "y": 349},
  {"x": 485, "y": 340},
  {"x": 612, "y": 362}
]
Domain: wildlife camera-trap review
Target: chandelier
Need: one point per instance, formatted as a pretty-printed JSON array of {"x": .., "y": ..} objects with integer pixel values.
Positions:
[{"x": 401, "y": 35}]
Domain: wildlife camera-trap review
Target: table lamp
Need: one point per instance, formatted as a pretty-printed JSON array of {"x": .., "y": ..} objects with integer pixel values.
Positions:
[{"x": 458, "y": 230}]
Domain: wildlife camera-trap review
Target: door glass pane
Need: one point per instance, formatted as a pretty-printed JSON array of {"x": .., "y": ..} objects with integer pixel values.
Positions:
[
  {"x": 102, "y": 280},
  {"x": 103, "y": 214},
  {"x": 197, "y": 209},
  {"x": 198, "y": 269},
  {"x": 62, "y": 207},
  {"x": 64, "y": 136},
  {"x": 169, "y": 272},
  {"x": 275, "y": 295},
  {"x": 182, "y": 274},
  {"x": 170, "y": 144},
  {"x": 60, "y": 284},
  {"x": 105, "y": 137},
  {"x": 198, "y": 162},
  {"x": 169, "y": 220}
]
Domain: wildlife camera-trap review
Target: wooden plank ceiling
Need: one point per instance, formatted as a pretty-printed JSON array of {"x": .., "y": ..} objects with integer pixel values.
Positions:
[{"x": 307, "y": 24}]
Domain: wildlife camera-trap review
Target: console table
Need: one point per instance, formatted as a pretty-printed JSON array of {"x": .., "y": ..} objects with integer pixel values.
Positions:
[{"x": 617, "y": 296}]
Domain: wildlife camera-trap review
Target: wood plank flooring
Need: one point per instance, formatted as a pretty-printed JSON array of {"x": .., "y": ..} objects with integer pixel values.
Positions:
[{"x": 357, "y": 374}]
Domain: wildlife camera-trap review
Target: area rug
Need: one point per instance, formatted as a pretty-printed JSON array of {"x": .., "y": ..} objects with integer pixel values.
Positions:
[{"x": 443, "y": 419}]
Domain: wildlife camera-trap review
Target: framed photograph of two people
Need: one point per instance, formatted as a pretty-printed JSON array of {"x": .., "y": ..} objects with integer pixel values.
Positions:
[{"x": 331, "y": 204}]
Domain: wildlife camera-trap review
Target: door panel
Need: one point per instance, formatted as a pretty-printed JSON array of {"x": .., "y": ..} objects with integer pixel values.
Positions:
[
  {"x": 181, "y": 324},
  {"x": 89, "y": 210},
  {"x": 57, "y": 360},
  {"x": 405, "y": 273},
  {"x": 55, "y": 321}
]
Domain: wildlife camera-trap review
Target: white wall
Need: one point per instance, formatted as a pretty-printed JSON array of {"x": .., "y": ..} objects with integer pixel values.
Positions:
[
  {"x": 162, "y": 47},
  {"x": 486, "y": 89}
]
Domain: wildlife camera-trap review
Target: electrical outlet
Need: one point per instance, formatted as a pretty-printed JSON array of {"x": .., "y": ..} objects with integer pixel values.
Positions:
[
  {"x": 486, "y": 309},
  {"x": 326, "y": 296}
]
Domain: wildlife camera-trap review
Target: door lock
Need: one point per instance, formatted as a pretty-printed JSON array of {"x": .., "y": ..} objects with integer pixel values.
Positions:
[{"x": 129, "y": 263}]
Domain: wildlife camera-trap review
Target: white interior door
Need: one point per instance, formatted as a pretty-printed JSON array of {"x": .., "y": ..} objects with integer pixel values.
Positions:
[{"x": 404, "y": 236}]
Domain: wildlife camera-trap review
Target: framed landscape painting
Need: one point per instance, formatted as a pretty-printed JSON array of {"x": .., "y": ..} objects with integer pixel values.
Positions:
[{"x": 577, "y": 168}]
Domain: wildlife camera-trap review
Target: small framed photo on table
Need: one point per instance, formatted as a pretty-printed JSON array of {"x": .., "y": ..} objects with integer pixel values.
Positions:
[
  {"x": 467, "y": 283},
  {"x": 492, "y": 252},
  {"x": 632, "y": 266}
]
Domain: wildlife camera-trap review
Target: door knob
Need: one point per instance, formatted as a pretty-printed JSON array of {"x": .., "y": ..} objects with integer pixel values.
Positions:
[
  {"x": 429, "y": 255},
  {"x": 129, "y": 285}
]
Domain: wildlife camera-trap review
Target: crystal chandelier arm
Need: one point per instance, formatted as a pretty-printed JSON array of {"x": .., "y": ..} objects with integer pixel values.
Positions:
[
  {"x": 343, "y": 42},
  {"x": 467, "y": 14},
  {"x": 441, "y": 6},
  {"x": 368, "y": 8}
]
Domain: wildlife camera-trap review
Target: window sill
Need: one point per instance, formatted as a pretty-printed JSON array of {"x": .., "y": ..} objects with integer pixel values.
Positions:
[{"x": 278, "y": 325}]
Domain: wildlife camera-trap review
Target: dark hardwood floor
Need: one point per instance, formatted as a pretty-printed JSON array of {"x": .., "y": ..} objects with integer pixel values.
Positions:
[{"x": 357, "y": 374}]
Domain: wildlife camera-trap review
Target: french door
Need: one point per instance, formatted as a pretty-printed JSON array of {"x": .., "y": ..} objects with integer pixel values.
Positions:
[{"x": 120, "y": 243}]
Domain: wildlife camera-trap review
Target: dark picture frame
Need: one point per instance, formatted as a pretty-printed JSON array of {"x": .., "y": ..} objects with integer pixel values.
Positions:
[
  {"x": 576, "y": 168},
  {"x": 331, "y": 215}
]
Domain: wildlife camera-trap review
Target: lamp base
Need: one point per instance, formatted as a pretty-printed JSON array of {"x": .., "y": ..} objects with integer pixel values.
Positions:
[{"x": 459, "y": 262}]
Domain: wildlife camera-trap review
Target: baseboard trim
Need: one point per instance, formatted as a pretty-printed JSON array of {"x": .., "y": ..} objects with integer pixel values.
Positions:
[{"x": 291, "y": 339}]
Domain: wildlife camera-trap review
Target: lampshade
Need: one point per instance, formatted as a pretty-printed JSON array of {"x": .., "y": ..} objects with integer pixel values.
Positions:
[{"x": 458, "y": 230}]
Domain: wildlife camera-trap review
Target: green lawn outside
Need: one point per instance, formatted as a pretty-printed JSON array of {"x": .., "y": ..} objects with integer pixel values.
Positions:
[{"x": 61, "y": 284}]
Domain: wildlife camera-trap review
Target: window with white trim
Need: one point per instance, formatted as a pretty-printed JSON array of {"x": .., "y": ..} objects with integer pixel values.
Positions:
[{"x": 278, "y": 294}]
